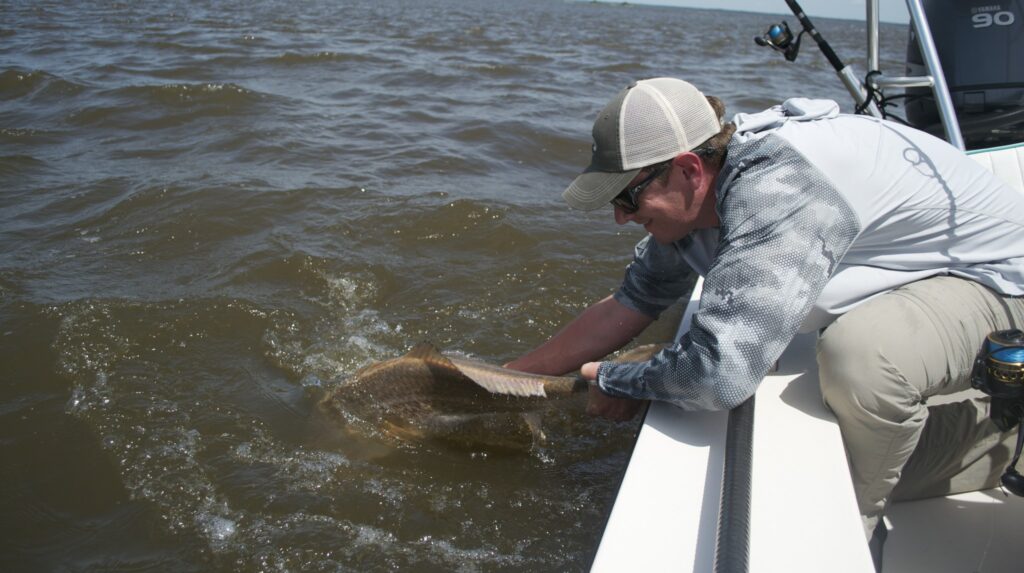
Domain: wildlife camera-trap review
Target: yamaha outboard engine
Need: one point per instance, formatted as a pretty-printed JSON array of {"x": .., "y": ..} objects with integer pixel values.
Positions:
[{"x": 981, "y": 46}]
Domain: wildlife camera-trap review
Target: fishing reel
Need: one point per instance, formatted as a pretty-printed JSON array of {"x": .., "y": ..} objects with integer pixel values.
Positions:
[
  {"x": 780, "y": 38},
  {"x": 999, "y": 372}
]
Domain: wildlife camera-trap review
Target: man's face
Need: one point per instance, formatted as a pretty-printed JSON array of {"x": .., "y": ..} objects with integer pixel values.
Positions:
[{"x": 668, "y": 207}]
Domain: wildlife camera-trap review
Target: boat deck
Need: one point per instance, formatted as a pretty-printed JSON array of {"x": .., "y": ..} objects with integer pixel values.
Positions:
[{"x": 803, "y": 513}]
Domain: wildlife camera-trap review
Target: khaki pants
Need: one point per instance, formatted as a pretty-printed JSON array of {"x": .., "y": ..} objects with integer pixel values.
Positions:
[{"x": 878, "y": 366}]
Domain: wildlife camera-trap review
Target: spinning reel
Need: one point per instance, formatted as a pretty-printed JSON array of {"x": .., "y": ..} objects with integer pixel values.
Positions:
[
  {"x": 780, "y": 38},
  {"x": 999, "y": 372}
]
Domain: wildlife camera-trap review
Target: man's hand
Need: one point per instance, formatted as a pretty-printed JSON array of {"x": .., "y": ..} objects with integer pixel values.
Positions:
[
  {"x": 605, "y": 406},
  {"x": 610, "y": 407}
]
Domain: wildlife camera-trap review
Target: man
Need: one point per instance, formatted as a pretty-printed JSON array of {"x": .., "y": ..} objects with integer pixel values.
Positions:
[{"x": 900, "y": 250}]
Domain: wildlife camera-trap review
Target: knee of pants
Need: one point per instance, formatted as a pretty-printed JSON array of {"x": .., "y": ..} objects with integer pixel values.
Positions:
[{"x": 859, "y": 380}]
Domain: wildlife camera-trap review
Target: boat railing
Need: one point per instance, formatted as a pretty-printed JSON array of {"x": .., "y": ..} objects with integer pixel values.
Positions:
[{"x": 934, "y": 79}]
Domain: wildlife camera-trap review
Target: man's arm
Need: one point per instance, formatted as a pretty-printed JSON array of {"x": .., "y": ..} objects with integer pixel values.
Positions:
[
  {"x": 784, "y": 229},
  {"x": 602, "y": 328}
]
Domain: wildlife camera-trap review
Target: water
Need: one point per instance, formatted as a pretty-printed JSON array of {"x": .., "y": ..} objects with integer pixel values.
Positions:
[{"x": 209, "y": 210}]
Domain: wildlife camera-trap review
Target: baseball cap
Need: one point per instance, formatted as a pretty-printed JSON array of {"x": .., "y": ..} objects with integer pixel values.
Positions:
[{"x": 648, "y": 122}]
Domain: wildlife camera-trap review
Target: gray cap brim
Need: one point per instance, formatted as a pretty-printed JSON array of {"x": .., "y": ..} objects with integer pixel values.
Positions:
[{"x": 594, "y": 189}]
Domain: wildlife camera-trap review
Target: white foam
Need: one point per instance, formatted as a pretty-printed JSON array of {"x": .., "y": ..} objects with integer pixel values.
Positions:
[{"x": 217, "y": 528}]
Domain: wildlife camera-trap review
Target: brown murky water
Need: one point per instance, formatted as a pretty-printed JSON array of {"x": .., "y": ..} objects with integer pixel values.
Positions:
[{"x": 210, "y": 210}]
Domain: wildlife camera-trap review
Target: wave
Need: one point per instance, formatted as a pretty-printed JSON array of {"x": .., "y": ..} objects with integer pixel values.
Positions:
[
  {"x": 150, "y": 107},
  {"x": 24, "y": 135},
  {"x": 462, "y": 225},
  {"x": 189, "y": 95},
  {"x": 300, "y": 59},
  {"x": 635, "y": 69},
  {"x": 497, "y": 70},
  {"x": 15, "y": 165},
  {"x": 18, "y": 83}
]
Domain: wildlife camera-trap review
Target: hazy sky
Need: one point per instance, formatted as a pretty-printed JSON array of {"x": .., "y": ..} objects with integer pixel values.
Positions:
[{"x": 890, "y": 10}]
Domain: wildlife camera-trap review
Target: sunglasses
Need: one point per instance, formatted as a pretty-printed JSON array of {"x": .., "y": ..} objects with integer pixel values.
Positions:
[{"x": 627, "y": 200}]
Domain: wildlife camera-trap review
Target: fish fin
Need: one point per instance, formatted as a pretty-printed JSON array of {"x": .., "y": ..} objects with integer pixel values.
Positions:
[
  {"x": 403, "y": 433},
  {"x": 498, "y": 385},
  {"x": 495, "y": 384},
  {"x": 533, "y": 421},
  {"x": 425, "y": 350},
  {"x": 432, "y": 356}
]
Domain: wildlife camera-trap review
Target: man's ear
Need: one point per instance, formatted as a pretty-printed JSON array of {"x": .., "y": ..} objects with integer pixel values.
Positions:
[{"x": 690, "y": 164}]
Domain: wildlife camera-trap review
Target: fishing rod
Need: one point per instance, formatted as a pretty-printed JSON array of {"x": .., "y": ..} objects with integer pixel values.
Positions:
[{"x": 780, "y": 38}]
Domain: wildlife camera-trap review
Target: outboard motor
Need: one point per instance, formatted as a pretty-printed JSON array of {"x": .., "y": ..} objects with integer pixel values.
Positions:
[{"x": 981, "y": 46}]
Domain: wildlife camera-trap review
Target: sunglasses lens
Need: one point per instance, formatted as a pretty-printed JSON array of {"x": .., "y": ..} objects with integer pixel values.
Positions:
[
  {"x": 622, "y": 201},
  {"x": 627, "y": 199}
]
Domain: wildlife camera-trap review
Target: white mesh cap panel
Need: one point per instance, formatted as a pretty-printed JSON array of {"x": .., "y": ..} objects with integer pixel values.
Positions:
[
  {"x": 662, "y": 118},
  {"x": 648, "y": 122},
  {"x": 647, "y": 132}
]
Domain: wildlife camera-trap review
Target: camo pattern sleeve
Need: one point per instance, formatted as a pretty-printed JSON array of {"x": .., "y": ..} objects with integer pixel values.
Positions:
[
  {"x": 784, "y": 228},
  {"x": 655, "y": 279}
]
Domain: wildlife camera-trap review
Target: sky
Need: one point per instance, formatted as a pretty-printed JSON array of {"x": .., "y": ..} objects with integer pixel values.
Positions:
[{"x": 889, "y": 10}]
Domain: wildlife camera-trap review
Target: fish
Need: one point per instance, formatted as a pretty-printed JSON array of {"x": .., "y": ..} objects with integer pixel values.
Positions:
[{"x": 427, "y": 395}]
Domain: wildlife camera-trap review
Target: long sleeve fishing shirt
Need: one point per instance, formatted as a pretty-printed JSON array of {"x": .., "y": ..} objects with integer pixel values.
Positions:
[{"x": 819, "y": 212}]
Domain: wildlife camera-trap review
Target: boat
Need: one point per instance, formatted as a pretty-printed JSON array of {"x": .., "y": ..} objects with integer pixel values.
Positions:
[{"x": 680, "y": 507}]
